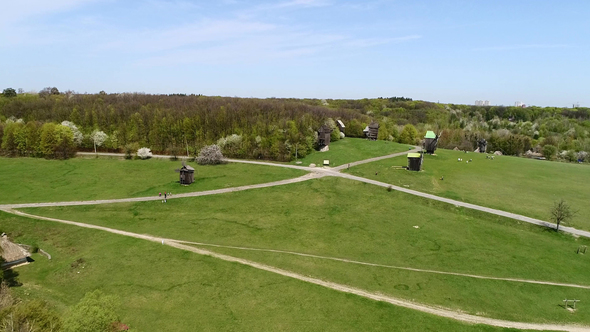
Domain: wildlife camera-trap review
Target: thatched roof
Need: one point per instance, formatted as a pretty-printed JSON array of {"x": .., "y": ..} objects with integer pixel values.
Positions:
[
  {"x": 341, "y": 124},
  {"x": 374, "y": 125},
  {"x": 187, "y": 167},
  {"x": 12, "y": 252}
]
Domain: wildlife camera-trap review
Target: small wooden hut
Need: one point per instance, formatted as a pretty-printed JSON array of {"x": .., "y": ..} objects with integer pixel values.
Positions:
[
  {"x": 372, "y": 131},
  {"x": 324, "y": 136},
  {"x": 430, "y": 142},
  {"x": 415, "y": 161},
  {"x": 340, "y": 125},
  {"x": 483, "y": 145},
  {"x": 187, "y": 174},
  {"x": 12, "y": 253}
]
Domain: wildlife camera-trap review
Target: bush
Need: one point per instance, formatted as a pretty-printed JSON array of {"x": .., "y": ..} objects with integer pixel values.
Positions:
[
  {"x": 95, "y": 312},
  {"x": 409, "y": 135},
  {"x": 31, "y": 316},
  {"x": 129, "y": 149},
  {"x": 210, "y": 155},
  {"x": 549, "y": 151},
  {"x": 144, "y": 153}
]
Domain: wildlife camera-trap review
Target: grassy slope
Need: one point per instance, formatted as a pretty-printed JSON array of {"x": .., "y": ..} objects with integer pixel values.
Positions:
[
  {"x": 352, "y": 149},
  {"x": 341, "y": 218},
  {"x": 25, "y": 180},
  {"x": 165, "y": 289},
  {"x": 519, "y": 185}
]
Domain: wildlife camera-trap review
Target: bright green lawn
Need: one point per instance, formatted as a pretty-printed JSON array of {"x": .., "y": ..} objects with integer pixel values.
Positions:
[
  {"x": 27, "y": 180},
  {"x": 166, "y": 289},
  {"x": 352, "y": 149},
  {"x": 342, "y": 218},
  {"x": 520, "y": 185}
]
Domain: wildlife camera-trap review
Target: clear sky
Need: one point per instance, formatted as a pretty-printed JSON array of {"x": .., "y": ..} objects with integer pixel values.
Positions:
[{"x": 456, "y": 51}]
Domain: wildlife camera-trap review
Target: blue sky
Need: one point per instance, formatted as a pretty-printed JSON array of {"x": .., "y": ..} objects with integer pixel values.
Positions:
[{"x": 536, "y": 52}]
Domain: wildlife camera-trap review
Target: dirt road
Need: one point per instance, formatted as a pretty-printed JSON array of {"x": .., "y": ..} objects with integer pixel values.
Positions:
[
  {"x": 442, "y": 312},
  {"x": 336, "y": 172}
]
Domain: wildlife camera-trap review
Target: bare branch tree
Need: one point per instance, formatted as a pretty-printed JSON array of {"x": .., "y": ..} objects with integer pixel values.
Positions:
[{"x": 561, "y": 212}]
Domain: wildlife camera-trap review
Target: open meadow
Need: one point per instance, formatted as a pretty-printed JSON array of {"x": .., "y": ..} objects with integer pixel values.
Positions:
[
  {"x": 165, "y": 289},
  {"x": 345, "y": 219},
  {"x": 520, "y": 185},
  {"x": 352, "y": 149},
  {"x": 39, "y": 180}
]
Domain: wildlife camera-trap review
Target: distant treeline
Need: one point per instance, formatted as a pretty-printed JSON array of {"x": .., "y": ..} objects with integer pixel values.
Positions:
[{"x": 269, "y": 128}]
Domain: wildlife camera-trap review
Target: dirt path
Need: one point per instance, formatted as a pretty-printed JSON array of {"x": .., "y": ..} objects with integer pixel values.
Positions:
[
  {"x": 329, "y": 172},
  {"x": 501, "y": 213},
  {"x": 157, "y": 198},
  {"x": 344, "y": 260},
  {"x": 442, "y": 312},
  {"x": 370, "y": 160}
]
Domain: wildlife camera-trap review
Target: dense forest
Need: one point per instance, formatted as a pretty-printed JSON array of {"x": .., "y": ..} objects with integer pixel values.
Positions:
[{"x": 52, "y": 124}]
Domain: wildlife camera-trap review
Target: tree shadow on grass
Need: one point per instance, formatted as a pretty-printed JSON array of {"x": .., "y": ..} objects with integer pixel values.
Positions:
[{"x": 10, "y": 276}]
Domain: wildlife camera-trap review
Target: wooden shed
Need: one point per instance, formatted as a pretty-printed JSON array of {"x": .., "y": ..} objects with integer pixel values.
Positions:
[
  {"x": 340, "y": 125},
  {"x": 372, "y": 131},
  {"x": 430, "y": 142},
  {"x": 187, "y": 174},
  {"x": 324, "y": 136},
  {"x": 415, "y": 161},
  {"x": 12, "y": 253},
  {"x": 482, "y": 145}
]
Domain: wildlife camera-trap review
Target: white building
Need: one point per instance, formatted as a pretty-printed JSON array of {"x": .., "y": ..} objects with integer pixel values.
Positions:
[{"x": 482, "y": 103}]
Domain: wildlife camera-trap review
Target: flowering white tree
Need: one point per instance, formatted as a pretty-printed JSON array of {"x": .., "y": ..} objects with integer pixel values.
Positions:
[
  {"x": 210, "y": 155},
  {"x": 144, "y": 153},
  {"x": 98, "y": 138},
  {"x": 78, "y": 137}
]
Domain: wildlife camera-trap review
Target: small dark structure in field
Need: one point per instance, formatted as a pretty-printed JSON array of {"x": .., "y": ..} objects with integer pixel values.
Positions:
[
  {"x": 12, "y": 253},
  {"x": 324, "y": 136},
  {"x": 187, "y": 174},
  {"x": 340, "y": 125},
  {"x": 415, "y": 161},
  {"x": 372, "y": 131},
  {"x": 430, "y": 142},
  {"x": 482, "y": 145}
]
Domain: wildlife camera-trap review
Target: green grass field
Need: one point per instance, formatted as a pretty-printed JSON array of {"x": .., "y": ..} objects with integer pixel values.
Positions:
[
  {"x": 341, "y": 218},
  {"x": 27, "y": 180},
  {"x": 519, "y": 185},
  {"x": 166, "y": 289},
  {"x": 352, "y": 149}
]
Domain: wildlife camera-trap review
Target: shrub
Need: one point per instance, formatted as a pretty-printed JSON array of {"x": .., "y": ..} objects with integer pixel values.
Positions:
[
  {"x": 549, "y": 151},
  {"x": 408, "y": 135},
  {"x": 95, "y": 312},
  {"x": 210, "y": 155},
  {"x": 144, "y": 153},
  {"x": 129, "y": 149}
]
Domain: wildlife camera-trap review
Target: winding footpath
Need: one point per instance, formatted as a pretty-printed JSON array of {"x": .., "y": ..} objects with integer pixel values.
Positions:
[
  {"x": 438, "y": 311},
  {"x": 315, "y": 173}
]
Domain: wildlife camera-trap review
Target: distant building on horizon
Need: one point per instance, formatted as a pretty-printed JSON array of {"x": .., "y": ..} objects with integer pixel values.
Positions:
[
  {"x": 482, "y": 103},
  {"x": 519, "y": 104}
]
